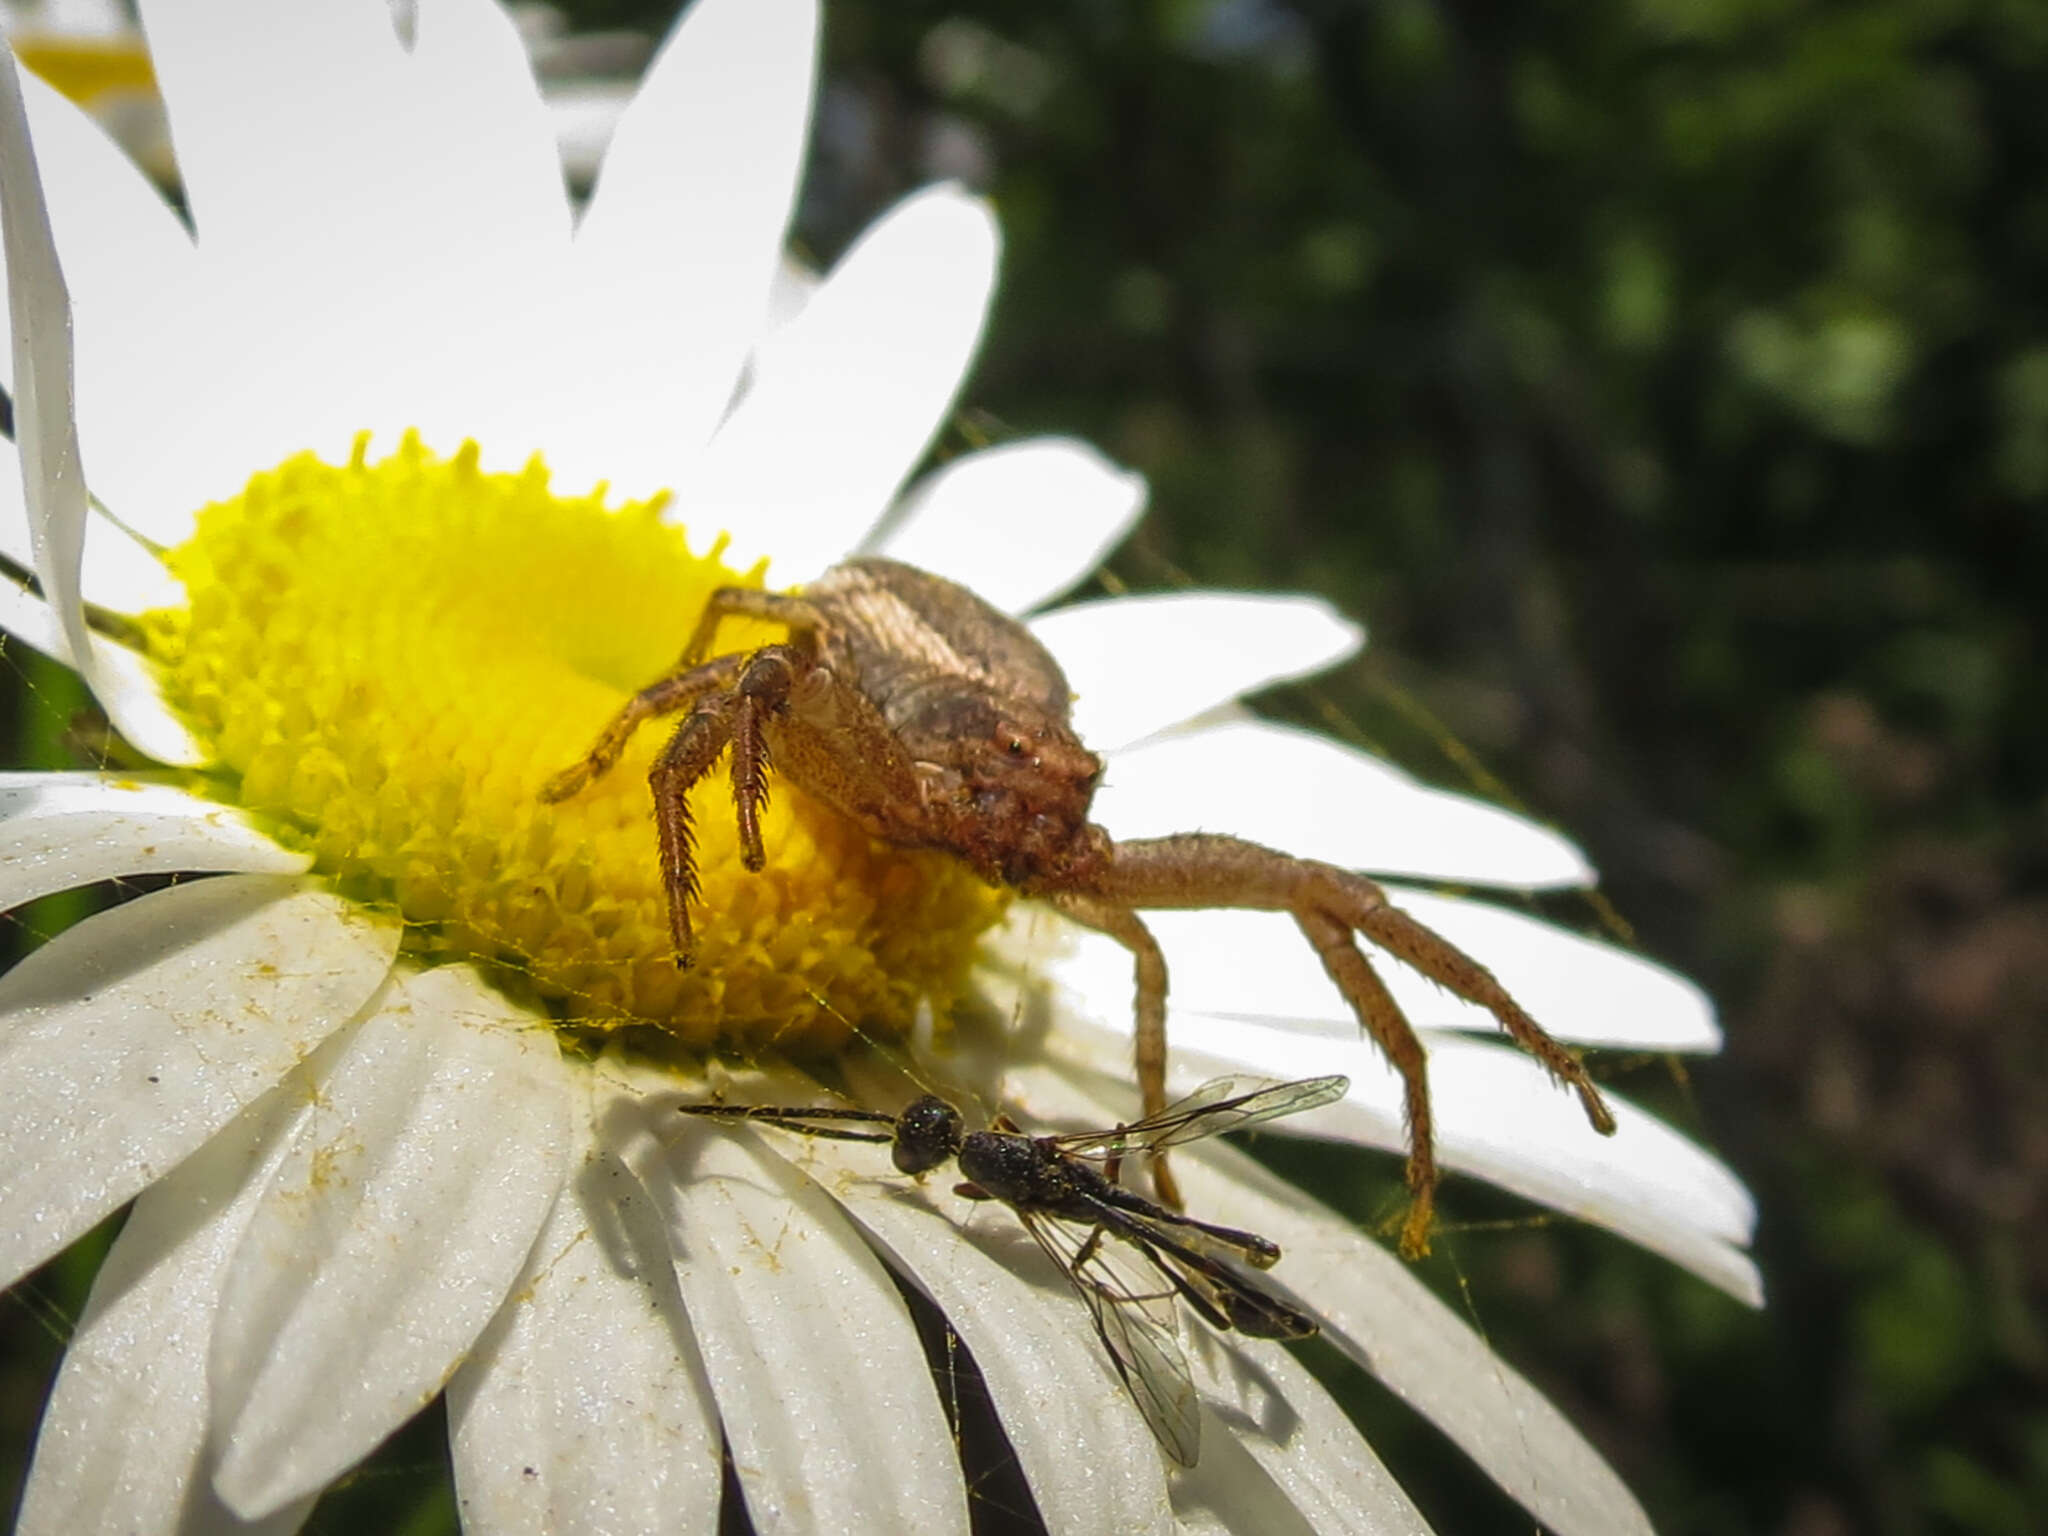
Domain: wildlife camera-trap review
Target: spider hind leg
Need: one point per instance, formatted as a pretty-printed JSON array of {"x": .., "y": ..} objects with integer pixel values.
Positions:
[{"x": 1333, "y": 908}]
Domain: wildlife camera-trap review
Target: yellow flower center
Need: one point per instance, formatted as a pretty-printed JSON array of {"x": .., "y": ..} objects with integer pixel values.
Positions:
[
  {"x": 390, "y": 659},
  {"x": 87, "y": 68}
]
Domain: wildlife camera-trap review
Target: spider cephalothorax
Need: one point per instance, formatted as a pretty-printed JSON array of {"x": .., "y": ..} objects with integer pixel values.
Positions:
[{"x": 932, "y": 720}]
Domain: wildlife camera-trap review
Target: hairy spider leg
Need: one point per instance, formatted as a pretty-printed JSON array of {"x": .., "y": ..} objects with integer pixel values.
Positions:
[
  {"x": 686, "y": 758},
  {"x": 1390, "y": 1030},
  {"x": 731, "y": 699},
  {"x": 1149, "y": 1041},
  {"x": 761, "y": 693},
  {"x": 665, "y": 696},
  {"x": 688, "y": 680},
  {"x": 1329, "y": 905},
  {"x": 737, "y": 718},
  {"x": 803, "y": 619}
]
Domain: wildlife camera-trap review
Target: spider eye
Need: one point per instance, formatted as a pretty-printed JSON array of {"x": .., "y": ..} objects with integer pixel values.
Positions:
[{"x": 1016, "y": 747}]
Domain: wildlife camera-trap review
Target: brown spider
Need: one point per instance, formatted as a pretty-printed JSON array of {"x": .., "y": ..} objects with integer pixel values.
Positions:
[{"x": 930, "y": 719}]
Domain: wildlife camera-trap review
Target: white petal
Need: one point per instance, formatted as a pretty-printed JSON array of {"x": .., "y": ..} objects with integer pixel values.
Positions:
[
  {"x": 486, "y": 226},
  {"x": 791, "y": 288},
  {"x": 129, "y": 264},
  {"x": 1499, "y": 1118},
  {"x": 675, "y": 254},
  {"x": 822, "y": 1387},
  {"x": 585, "y": 1405},
  {"x": 389, "y": 1235},
  {"x": 494, "y": 144},
  {"x": 1019, "y": 524},
  {"x": 1294, "y": 1431},
  {"x": 1305, "y": 794},
  {"x": 59, "y": 831},
  {"x": 1229, "y": 1494},
  {"x": 585, "y": 114},
  {"x": 1579, "y": 988},
  {"x": 1141, "y": 664},
  {"x": 297, "y": 150},
  {"x": 842, "y": 401},
  {"x": 321, "y": 157},
  {"x": 121, "y": 1439},
  {"x": 45, "y": 423},
  {"x": 1088, "y": 1456},
  {"x": 124, "y": 682},
  {"x": 1379, "y": 1314},
  {"x": 1257, "y": 965},
  {"x": 296, "y": 125},
  {"x": 132, "y": 1037}
]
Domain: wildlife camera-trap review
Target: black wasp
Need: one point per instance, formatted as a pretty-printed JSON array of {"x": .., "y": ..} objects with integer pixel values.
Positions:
[{"x": 1065, "y": 1191}]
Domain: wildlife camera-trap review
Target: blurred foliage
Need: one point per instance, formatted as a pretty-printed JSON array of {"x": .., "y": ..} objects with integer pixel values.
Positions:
[{"x": 1667, "y": 381}]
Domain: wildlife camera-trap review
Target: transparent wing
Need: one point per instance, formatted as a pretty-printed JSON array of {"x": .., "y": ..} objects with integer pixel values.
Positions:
[
  {"x": 1133, "y": 1311},
  {"x": 1224, "y": 1104},
  {"x": 1223, "y": 1298}
]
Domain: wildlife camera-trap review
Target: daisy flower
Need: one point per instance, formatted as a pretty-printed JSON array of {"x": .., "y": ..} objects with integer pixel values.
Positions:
[
  {"x": 359, "y": 504},
  {"x": 92, "y": 51}
]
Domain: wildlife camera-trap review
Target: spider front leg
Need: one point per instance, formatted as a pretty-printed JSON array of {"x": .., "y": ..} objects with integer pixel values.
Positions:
[
  {"x": 691, "y": 679},
  {"x": 739, "y": 718},
  {"x": 1330, "y": 906},
  {"x": 666, "y": 696}
]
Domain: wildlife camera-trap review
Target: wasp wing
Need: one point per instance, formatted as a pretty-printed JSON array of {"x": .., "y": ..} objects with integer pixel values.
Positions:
[
  {"x": 1222, "y": 1104},
  {"x": 1133, "y": 1313},
  {"x": 1224, "y": 1299}
]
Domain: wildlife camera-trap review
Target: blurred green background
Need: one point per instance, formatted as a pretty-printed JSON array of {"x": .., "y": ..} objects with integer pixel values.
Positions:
[{"x": 1666, "y": 383}]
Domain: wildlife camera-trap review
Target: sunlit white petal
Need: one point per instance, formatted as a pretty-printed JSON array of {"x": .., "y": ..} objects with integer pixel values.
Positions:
[
  {"x": 489, "y": 137},
  {"x": 1306, "y": 794},
  {"x": 122, "y": 1436},
  {"x": 388, "y": 1236},
  {"x": 585, "y": 1406},
  {"x": 1018, "y": 525},
  {"x": 1089, "y": 1458},
  {"x": 820, "y": 1380},
  {"x": 59, "y": 831},
  {"x": 1228, "y": 1494},
  {"x": 130, "y": 266},
  {"x": 1141, "y": 664},
  {"x": 674, "y": 256},
  {"x": 134, "y": 1035},
  {"x": 1256, "y": 965},
  {"x": 1596, "y": 993},
  {"x": 1268, "y": 1406},
  {"x": 45, "y": 423},
  {"x": 865, "y": 374},
  {"x": 330, "y": 93},
  {"x": 585, "y": 114}
]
